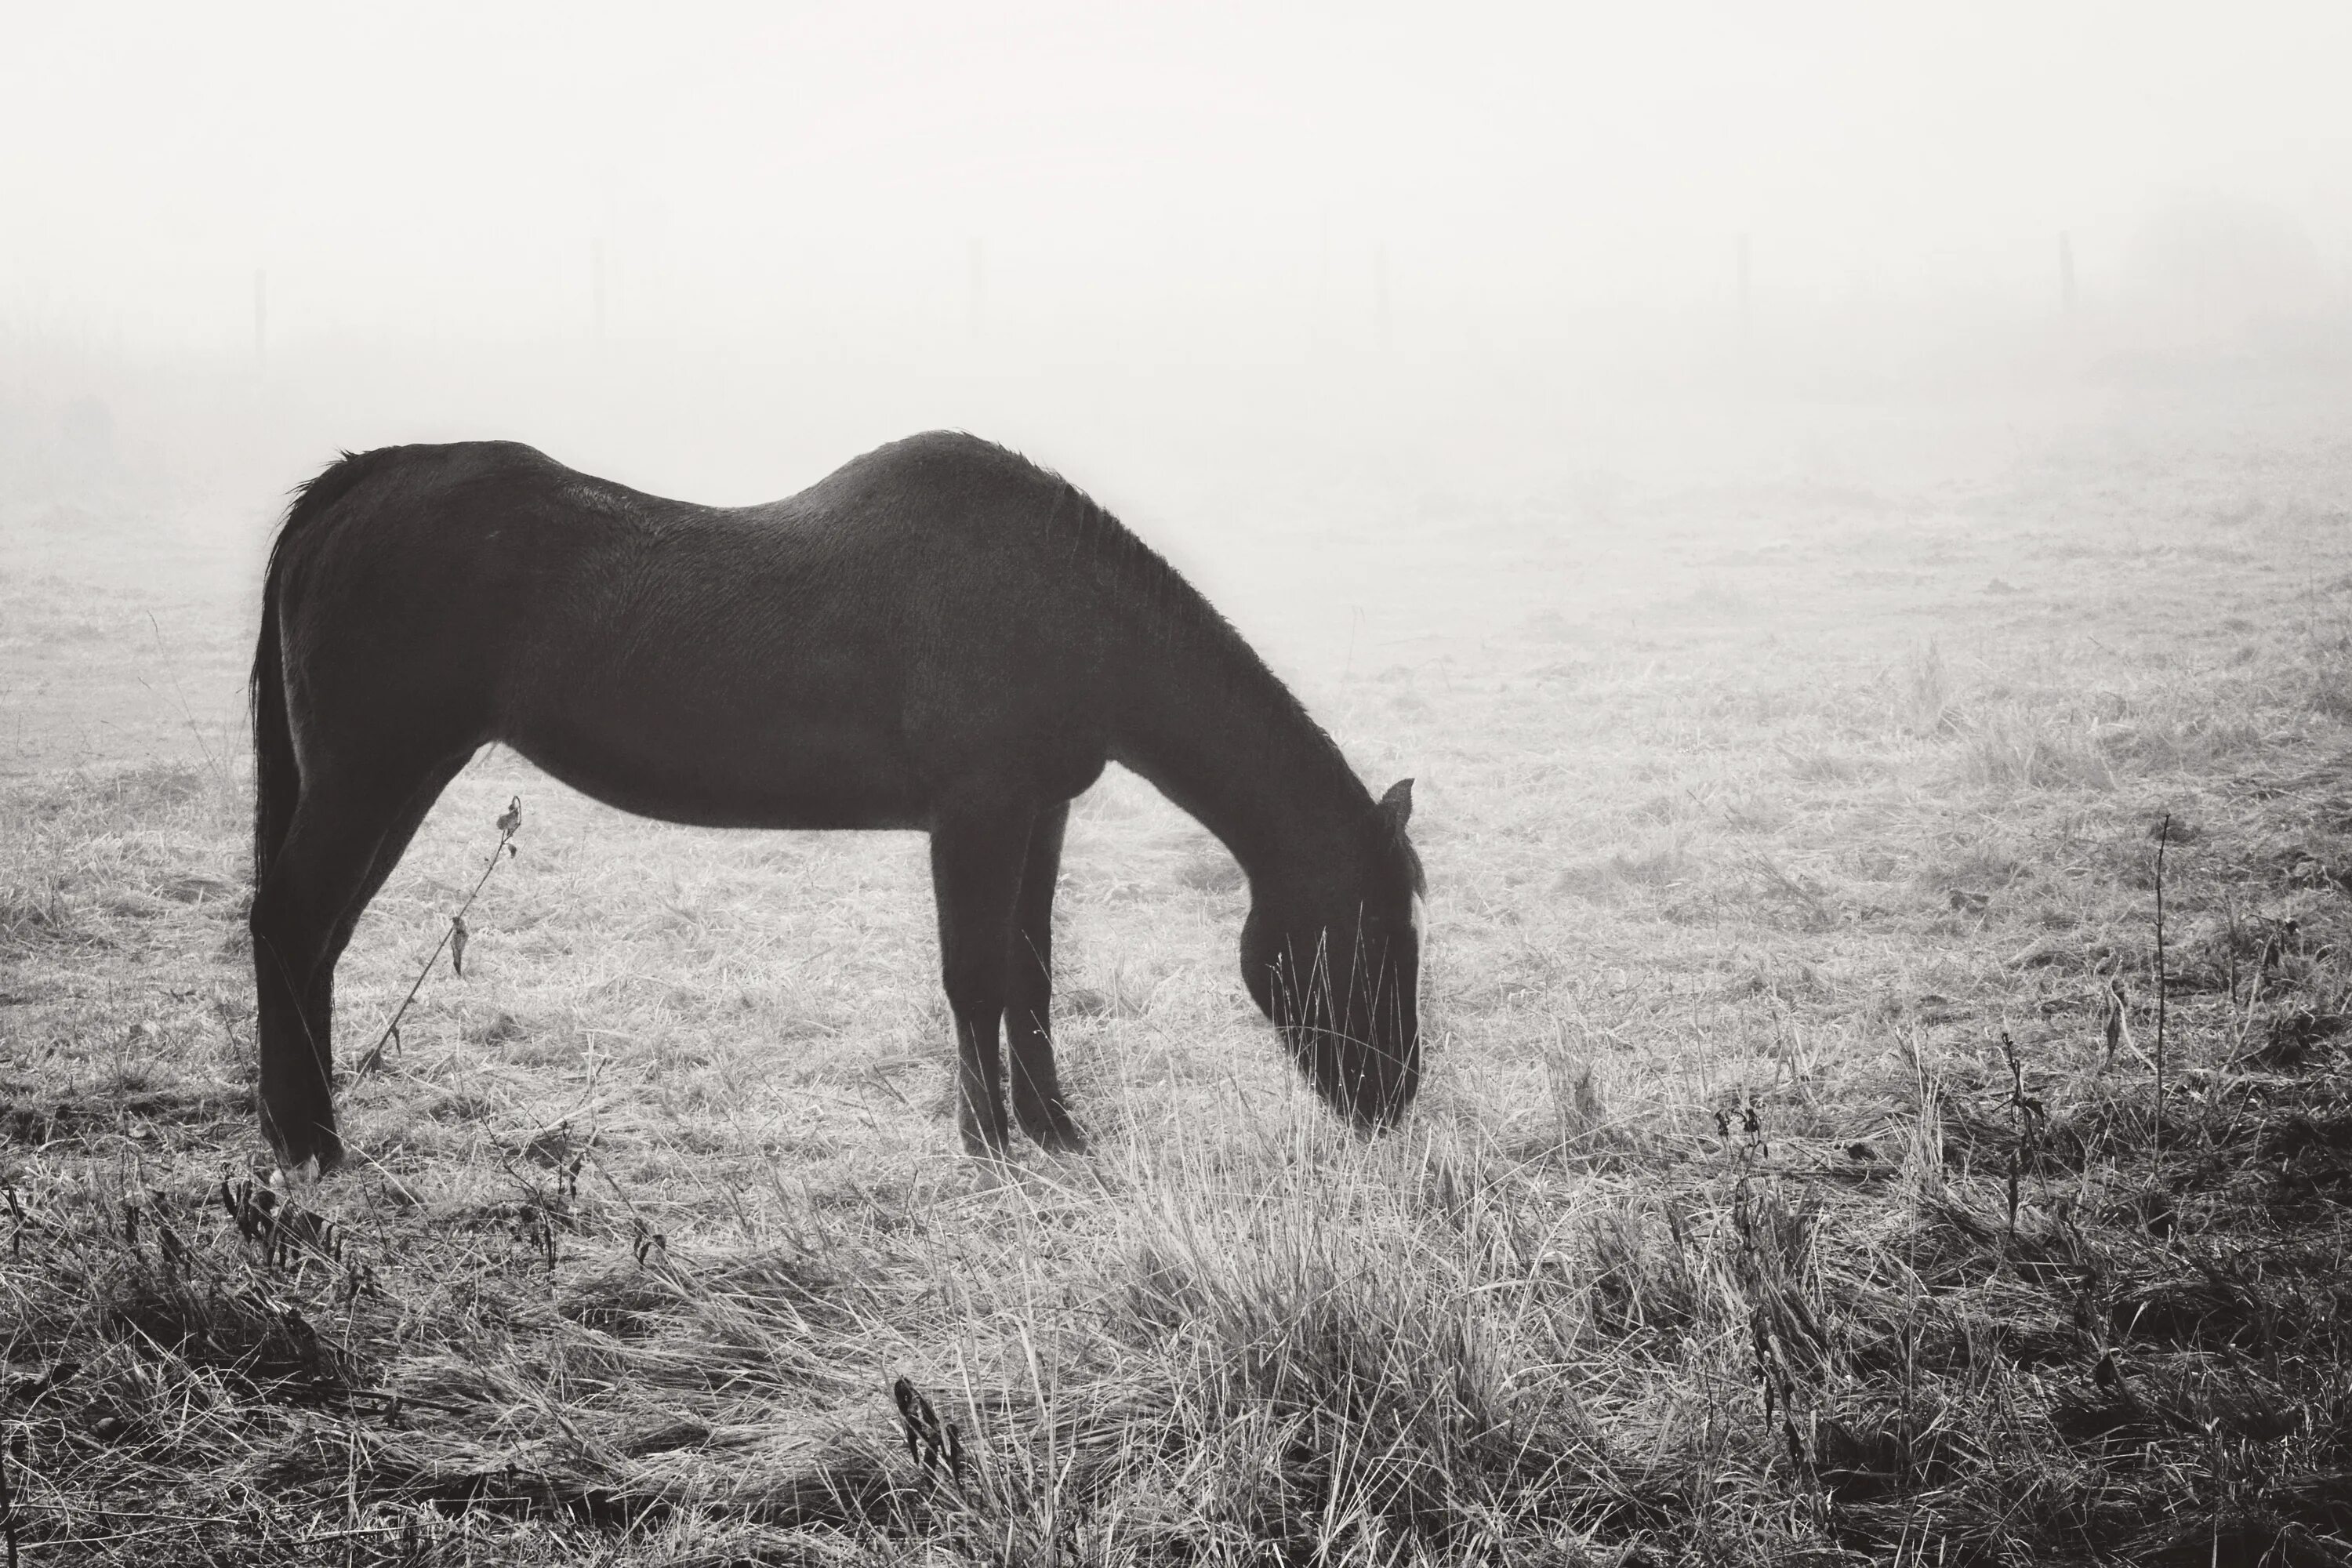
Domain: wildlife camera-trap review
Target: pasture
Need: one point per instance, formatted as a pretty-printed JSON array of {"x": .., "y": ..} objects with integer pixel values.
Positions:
[{"x": 1790, "y": 1183}]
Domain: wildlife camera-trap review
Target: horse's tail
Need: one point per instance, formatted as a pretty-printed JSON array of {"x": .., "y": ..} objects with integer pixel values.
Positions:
[
  {"x": 277, "y": 778},
  {"x": 277, "y": 775}
]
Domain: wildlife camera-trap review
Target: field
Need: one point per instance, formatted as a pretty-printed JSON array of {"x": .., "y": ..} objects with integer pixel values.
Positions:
[{"x": 1827, "y": 1154}]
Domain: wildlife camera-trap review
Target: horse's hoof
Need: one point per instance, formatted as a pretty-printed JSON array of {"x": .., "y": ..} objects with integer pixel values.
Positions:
[
  {"x": 306, "y": 1166},
  {"x": 1052, "y": 1130}
]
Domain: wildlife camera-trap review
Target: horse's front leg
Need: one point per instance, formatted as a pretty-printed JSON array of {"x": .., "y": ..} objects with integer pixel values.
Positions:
[
  {"x": 1037, "y": 1101},
  {"x": 976, "y": 861}
]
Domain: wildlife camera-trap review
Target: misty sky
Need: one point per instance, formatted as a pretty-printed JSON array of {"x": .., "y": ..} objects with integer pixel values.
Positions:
[{"x": 443, "y": 169}]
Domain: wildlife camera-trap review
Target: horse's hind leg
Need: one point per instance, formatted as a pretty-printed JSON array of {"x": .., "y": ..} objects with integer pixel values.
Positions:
[
  {"x": 976, "y": 859},
  {"x": 344, "y": 841},
  {"x": 392, "y": 847},
  {"x": 1029, "y": 993}
]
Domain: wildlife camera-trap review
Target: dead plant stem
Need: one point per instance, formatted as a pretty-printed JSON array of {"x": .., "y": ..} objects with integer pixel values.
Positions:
[
  {"x": 2163, "y": 835},
  {"x": 508, "y": 825}
]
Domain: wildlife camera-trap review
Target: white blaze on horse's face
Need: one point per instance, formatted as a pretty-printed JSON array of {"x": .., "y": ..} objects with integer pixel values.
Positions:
[{"x": 1419, "y": 942}]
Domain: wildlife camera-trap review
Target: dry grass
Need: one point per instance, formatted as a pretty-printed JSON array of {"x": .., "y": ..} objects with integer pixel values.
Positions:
[{"x": 1778, "y": 1197}]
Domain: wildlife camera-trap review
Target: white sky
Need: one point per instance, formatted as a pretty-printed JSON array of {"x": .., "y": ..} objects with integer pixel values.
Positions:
[{"x": 419, "y": 170}]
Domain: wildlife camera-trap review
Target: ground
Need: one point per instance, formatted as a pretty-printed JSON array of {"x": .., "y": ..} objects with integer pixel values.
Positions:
[{"x": 1818, "y": 1162}]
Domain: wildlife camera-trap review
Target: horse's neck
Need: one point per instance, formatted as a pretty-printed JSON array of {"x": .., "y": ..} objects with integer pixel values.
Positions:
[{"x": 1211, "y": 727}]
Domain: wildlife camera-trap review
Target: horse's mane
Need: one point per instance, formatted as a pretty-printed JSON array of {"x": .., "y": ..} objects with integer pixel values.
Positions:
[{"x": 1142, "y": 582}]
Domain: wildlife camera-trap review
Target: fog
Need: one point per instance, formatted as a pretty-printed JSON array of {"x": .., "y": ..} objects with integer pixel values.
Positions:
[{"x": 1196, "y": 257}]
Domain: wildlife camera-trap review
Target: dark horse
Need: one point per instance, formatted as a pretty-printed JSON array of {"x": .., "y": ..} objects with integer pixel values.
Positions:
[{"x": 940, "y": 636}]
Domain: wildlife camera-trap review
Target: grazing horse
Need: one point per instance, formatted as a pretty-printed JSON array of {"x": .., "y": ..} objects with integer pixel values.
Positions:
[{"x": 939, "y": 635}]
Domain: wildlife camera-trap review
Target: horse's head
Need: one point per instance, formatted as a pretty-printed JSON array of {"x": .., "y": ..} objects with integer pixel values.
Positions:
[{"x": 1335, "y": 965}]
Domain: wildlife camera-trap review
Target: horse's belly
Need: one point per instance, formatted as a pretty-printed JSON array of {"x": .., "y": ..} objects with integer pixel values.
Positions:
[{"x": 816, "y": 779}]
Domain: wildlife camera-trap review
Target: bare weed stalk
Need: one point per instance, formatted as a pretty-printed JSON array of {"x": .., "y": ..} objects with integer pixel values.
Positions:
[
  {"x": 2163, "y": 834},
  {"x": 453, "y": 937},
  {"x": 7, "y": 1505}
]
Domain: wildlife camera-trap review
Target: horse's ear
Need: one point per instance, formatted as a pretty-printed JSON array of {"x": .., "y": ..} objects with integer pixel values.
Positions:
[{"x": 1395, "y": 808}]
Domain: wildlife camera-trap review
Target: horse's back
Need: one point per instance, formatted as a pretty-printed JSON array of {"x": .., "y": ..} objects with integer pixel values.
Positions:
[
  {"x": 835, "y": 658},
  {"x": 942, "y": 496}
]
